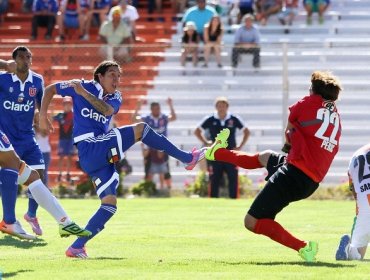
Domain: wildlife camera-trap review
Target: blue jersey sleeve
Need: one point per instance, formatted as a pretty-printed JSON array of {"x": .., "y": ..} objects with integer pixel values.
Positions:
[
  {"x": 115, "y": 101},
  {"x": 65, "y": 89}
]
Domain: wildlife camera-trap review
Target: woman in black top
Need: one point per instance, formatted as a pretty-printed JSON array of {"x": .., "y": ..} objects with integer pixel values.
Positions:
[{"x": 213, "y": 32}]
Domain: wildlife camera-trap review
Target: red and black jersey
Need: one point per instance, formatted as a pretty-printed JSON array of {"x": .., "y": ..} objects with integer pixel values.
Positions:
[{"x": 315, "y": 136}]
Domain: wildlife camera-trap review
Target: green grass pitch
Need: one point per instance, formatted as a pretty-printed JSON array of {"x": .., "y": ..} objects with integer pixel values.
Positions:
[{"x": 182, "y": 238}]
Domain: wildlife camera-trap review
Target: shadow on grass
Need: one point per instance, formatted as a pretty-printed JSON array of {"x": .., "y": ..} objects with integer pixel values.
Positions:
[
  {"x": 106, "y": 258},
  {"x": 315, "y": 264},
  {"x": 15, "y": 273},
  {"x": 24, "y": 244}
]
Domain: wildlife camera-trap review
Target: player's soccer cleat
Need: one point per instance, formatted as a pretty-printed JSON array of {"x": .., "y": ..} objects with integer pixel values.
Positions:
[
  {"x": 15, "y": 230},
  {"x": 342, "y": 251},
  {"x": 73, "y": 229},
  {"x": 220, "y": 142},
  {"x": 34, "y": 223},
  {"x": 309, "y": 252},
  {"x": 198, "y": 155},
  {"x": 76, "y": 253}
]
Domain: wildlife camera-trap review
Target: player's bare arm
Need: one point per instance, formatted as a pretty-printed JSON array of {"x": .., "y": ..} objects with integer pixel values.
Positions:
[
  {"x": 135, "y": 116},
  {"x": 246, "y": 134},
  {"x": 100, "y": 105},
  {"x": 172, "y": 116},
  {"x": 287, "y": 145},
  {"x": 8, "y": 65},
  {"x": 45, "y": 124},
  {"x": 198, "y": 133}
]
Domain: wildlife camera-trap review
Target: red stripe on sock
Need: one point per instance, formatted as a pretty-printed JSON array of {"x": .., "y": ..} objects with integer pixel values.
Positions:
[
  {"x": 277, "y": 233},
  {"x": 238, "y": 158}
]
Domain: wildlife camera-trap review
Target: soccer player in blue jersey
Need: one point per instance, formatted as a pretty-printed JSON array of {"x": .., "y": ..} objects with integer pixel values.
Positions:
[
  {"x": 94, "y": 103},
  {"x": 20, "y": 93},
  {"x": 156, "y": 161}
]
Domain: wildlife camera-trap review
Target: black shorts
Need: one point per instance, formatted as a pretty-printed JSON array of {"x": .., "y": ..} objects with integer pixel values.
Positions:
[
  {"x": 286, "y": 185},
  {"x": 274, "y": 162}
]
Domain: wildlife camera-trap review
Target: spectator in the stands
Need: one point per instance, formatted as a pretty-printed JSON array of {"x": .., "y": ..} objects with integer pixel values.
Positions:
[
  {"x": 213, "y": 32},
  {"x": 200, "y": 14},
  {"x": 289, "y": 10},
  {"x": 245, "y": 7},
  {"x": 190, "y": 42},
  {"x": 129, "y": 16},
  {"x": 316, "y": 6},
  {"x": 115, "y": 33},
  {"x": 247, "y": 40},
  {"x": 97, "y": 13},
  {"x": 266, "y": 8},
  {"x": 178, "y": 6},
  {"x": 154, "y": 5},
  {"x": 72, "y": 15},
  {"x": 3, "y": 8},
  {"x": 44, "y": 15}
]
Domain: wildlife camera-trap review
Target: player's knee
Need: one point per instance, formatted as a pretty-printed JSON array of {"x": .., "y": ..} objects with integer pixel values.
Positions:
[
  {"x": 109, "y": 199},
  {"x": 139, "y": 129},
  {"x": 33, "y": 177},
  {"x": 249, "y": 222},
  {"x": 26, "y": 174}
]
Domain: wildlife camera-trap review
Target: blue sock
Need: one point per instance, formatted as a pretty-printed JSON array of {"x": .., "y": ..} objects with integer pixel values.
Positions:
[
  {"x": 32, "y": 205},
  {"x": 161, "y": 143},
  {"x": 96, "y": 223},
  {"x": 9, "y": 189}
]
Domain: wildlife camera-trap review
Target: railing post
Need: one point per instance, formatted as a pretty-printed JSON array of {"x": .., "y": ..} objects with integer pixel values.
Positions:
[{"x": 285, "y": 89}]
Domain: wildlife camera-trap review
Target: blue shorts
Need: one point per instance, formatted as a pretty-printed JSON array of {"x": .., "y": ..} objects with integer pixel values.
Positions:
[
  {"x": 66, "y": 147},
  {"x": 98, "y": 154},
  {"x": 71, "y": 22},
  {"x": 30, "y": 153},
  {"x": 5, "y": 145}
]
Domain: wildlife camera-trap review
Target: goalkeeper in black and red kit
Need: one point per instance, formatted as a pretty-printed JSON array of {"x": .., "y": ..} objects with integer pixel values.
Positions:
[{"x": 312, "y": 141}]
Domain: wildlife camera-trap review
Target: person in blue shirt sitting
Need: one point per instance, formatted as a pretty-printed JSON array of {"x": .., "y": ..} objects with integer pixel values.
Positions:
[{"x": 44, "y": 14}]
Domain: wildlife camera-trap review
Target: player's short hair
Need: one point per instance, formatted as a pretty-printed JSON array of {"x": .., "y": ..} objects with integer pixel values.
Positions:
[
  {"x": 325, "y": 84},
  {"x": 153, "y": 104},
  {"x": 102, "y": 68},
  {"x": 20, "y": 49}
]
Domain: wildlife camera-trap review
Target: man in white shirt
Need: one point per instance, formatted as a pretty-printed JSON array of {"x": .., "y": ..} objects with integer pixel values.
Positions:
[
  {"x": 129, "y": 15},
  {"x": 114, "y": 33}
]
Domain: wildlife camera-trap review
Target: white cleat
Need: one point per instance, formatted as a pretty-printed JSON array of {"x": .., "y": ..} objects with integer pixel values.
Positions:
[{"x": 15, "y": 230}]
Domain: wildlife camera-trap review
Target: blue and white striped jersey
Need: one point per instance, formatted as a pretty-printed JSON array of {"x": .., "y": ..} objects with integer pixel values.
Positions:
[
  {"x": 88, "y": 122},
  {"x": 18, "y": 101}
]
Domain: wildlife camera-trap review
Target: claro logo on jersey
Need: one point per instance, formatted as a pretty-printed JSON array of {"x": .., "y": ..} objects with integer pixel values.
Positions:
[
  {"x": 10, "y": 105},
  {"x": 93, "y": 115}
]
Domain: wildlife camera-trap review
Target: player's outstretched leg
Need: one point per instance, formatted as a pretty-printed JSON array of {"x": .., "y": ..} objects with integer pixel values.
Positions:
[
  {"x": 159, "y": 142},
  {"x": 220, "y": 142},
  {"x": 219, "y": 152},
  {"x": 342, "y": 251}
]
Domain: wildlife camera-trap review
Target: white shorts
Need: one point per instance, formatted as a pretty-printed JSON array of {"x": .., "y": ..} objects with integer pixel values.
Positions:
[{"x": 361, "y": 231}]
